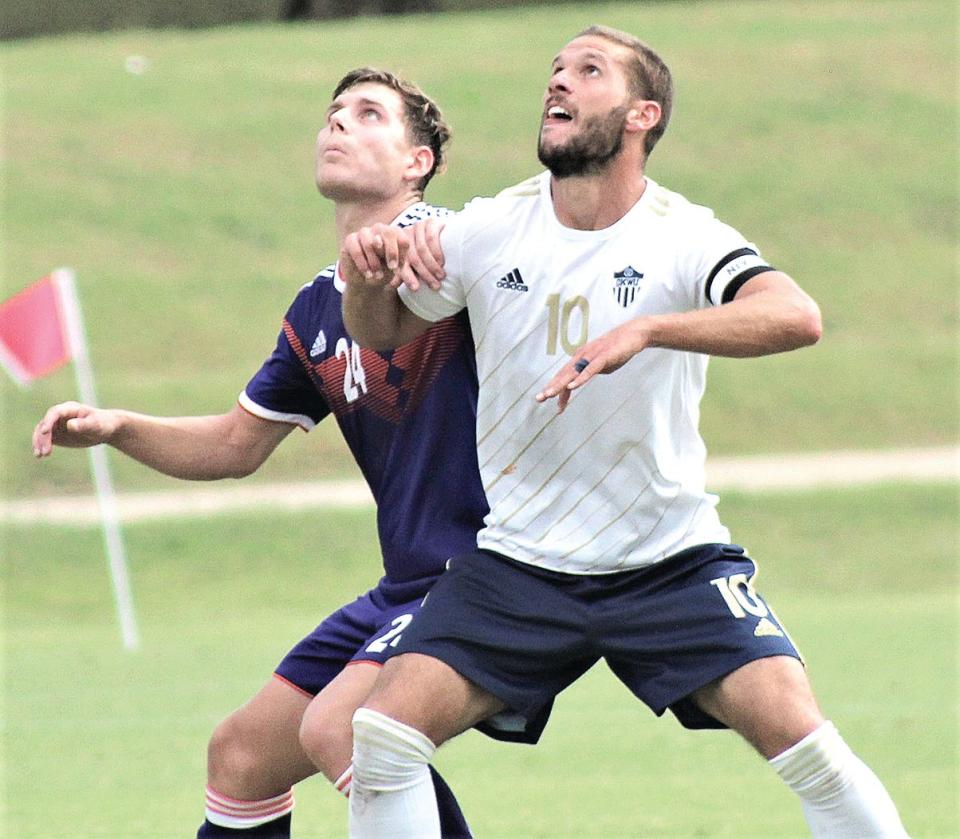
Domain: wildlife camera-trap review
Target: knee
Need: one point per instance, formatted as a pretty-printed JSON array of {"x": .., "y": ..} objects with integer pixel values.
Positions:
[
  {"x": 231, "y": 759},
  {"x": 387, "y": 754},
  {"x": 327, "y": 741}
]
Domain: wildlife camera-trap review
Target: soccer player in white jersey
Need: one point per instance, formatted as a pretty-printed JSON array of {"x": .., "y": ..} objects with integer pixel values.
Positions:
[{"x": 601, "y": 541}]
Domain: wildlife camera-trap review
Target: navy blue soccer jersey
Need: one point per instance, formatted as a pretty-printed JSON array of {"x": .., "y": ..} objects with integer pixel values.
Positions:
[{"x": 408, "y": 415}]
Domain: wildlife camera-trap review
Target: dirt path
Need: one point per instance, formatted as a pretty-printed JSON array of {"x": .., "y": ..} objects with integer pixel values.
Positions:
[{"x": 751, "y": 474}]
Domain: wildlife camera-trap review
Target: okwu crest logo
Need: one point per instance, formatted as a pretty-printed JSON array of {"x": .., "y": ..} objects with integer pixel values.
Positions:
[{"x": 625, "y": 285}]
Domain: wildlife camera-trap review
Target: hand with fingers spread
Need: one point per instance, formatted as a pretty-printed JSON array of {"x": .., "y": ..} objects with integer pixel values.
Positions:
[
  {"x": 73, "y": 425},
  {"x": 606, "y": 354}
]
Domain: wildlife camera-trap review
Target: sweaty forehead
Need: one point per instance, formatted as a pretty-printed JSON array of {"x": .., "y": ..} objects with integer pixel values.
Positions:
[
  {"x": 591, "y": 46},
  {"x": 372, "y": 93}
]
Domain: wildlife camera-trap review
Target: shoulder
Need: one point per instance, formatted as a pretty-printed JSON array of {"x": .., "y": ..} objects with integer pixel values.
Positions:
[
  {"x": 492, "y": 215},
  {"x": 676, "y": 208},
  {"x": 315, "y": 295},
  {"x": 320, "y": 286},
  {"x": 526, "y": 189}
]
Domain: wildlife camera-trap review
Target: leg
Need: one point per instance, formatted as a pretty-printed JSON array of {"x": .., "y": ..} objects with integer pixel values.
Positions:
[
  {"x": 253, "y": 760},
  {"x": 771, "y": 704},
  {"x": 418, "y": 702},
  {"x": 326, "y": 735},
  {"x": 429, "y": 695}
]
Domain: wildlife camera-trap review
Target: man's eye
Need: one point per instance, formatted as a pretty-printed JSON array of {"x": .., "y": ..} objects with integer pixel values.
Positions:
[
  {"x": 370, "y": 113},
  {"x": 591, "y": 70}
]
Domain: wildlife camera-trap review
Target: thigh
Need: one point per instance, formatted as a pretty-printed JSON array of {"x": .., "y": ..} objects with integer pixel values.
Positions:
[
  {"x": 327, "y": 721},
  {"x": 677, "y": 627},
  {"x": 509, "y": 629},
  {"x": 769, "y": 702},
  {"x": 430, "y": 696}
]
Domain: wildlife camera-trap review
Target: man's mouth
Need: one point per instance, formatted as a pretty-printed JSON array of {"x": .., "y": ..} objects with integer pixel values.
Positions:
[{"x": 556, "y": 114}]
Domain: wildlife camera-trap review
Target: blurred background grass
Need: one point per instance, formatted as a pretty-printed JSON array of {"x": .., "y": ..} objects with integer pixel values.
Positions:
[{"x": 184, "y": 198}]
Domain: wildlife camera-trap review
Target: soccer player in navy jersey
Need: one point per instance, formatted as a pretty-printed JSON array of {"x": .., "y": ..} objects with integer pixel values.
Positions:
[
  {"x": 408, "y": 417},
  {"x": 602, "y": 540}
]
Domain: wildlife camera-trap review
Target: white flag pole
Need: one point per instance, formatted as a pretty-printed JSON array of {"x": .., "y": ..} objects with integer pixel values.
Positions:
[{"x": 109, "y": 515}]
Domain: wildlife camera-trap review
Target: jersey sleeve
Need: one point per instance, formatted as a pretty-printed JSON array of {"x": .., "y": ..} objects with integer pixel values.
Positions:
[
  {"x": 721, "y": 263},
  {"x": 282, "y": 390},
  {"x": 451, "y": 297}
]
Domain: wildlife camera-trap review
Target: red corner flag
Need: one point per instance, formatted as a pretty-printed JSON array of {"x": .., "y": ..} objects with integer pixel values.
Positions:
[
  {"x": 41, "y": 329},
  {"x": 33, "y": 332}
]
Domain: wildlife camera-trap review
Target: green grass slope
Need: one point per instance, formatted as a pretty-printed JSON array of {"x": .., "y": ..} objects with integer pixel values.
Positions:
[{"x": 183, "y": 196}]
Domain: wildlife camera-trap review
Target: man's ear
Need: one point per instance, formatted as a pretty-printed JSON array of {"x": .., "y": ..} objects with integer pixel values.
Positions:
[
  {"x": 421, "y": 162},
  {"x": 643, "y": 116}
]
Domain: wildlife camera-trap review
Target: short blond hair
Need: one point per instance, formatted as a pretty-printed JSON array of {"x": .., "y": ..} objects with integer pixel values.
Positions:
[{"x": 647, "y": 73}]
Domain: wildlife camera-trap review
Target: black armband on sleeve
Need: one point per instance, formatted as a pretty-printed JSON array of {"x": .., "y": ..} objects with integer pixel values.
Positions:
[{"x": 731, "y": 272}]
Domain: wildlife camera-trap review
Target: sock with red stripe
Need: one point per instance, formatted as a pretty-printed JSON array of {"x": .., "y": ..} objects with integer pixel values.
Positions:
[{"x": 229, "y": 818}]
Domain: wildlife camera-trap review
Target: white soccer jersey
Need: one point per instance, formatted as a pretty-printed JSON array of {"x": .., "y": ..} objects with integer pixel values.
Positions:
[{"x": 617, "y": 480}]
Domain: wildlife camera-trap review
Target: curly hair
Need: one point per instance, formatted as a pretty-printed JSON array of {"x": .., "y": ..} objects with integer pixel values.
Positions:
[{"x": 425, "y": 123}]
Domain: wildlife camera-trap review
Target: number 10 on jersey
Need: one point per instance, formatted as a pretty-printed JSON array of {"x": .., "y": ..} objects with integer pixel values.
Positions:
[{"x": 561, "y": 316}]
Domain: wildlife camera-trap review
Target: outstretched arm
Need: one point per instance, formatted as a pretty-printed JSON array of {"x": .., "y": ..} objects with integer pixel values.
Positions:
[
  {"x": 374, "y": 261},
  {"x": 229, "y": 445},
  {"x": 769, "y": 314}
]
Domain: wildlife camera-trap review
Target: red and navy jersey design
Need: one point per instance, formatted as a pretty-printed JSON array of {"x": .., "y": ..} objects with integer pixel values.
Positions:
[{"x": 408, "y": 415}]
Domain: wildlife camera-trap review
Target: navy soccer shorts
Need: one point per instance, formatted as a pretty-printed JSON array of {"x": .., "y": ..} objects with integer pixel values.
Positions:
[
  {"x": 369, "y": 629},
  {"x": 524, "y": 633}
]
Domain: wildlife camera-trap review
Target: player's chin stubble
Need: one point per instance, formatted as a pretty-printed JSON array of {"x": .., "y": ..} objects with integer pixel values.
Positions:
[{"x": 586, "y": 153}]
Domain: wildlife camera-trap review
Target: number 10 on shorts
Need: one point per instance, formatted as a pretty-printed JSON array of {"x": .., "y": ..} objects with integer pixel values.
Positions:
[{"x": 739, "y": 595}]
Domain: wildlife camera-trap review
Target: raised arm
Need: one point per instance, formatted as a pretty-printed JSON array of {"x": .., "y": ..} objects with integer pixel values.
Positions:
[
  {"x": 230, "y": 445},
  {"x": 374, "y": 261},
  {"x": 769, "y": 314}
]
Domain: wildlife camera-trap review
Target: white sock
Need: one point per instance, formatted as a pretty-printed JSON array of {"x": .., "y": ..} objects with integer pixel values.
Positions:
[
  {"x": 229, "y": 812},
  {"x": 840, "y": 795},
  {"x": 344, "y": 783},
  {"x": 392, "y": 793}
]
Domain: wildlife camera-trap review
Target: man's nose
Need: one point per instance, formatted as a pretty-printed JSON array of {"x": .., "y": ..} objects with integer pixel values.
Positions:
[
  {"x": 337, "y": 122},
  {"x": 559, "y": 82}
]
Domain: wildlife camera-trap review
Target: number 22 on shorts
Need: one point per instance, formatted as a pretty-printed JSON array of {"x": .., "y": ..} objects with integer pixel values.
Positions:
[{"x": 391, "y": 637}]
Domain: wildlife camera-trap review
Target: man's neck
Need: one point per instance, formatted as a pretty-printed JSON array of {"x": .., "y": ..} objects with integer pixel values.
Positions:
[
  {"x": 596, "y": 201},
  {"x": 350, "y": 216}
]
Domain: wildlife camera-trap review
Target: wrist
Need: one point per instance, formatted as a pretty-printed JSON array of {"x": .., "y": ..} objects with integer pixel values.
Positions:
[
  {"x": 115, "y": 426},
  {"x": 643, "y": 333}
]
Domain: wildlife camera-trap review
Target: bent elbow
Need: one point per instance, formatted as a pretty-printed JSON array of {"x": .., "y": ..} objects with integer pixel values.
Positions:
[
  {"x": 243, "y": 470},
  {"x": 810, "y": 323}
]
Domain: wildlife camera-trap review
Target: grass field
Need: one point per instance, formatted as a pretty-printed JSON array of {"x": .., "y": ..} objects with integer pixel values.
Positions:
[
  {"x": 826, "y": 131},
  {"x": 102, "y": 743},
  {"x": 184, "y": 197}
]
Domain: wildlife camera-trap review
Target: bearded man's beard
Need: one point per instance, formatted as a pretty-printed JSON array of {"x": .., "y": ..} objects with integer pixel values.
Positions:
[{"x": 587, "y": 153}]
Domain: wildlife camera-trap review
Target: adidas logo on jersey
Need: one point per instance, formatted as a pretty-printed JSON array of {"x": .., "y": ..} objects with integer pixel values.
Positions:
[
  {"x": 513, "y": 281},
  {"x": 319, "y": 344},
  {"x": 767, "y": 627}
]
